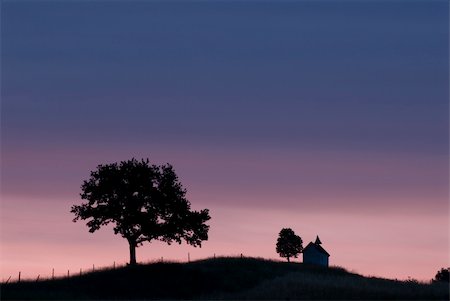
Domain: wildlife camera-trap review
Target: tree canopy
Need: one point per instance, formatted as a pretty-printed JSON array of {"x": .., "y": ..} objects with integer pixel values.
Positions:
[
  {"x": 442, "y": 275},
  {"x": 144, "y": 202},
  {"x": 289, "y": 244}
]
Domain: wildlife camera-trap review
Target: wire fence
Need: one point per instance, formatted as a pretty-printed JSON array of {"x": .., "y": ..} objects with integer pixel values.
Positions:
[
  {"x": 60, "y": 274},
  {"x": 17, "y": 278}
]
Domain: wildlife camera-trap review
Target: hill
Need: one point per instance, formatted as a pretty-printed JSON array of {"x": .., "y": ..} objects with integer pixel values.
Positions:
[{"x": 224, "y": 278}]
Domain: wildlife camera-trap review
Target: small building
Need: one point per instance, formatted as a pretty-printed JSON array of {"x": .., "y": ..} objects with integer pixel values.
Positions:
[{"x": 315, "y": 254}]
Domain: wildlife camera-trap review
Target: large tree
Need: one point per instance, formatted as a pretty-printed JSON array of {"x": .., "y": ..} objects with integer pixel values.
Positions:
[
  {"x": 289, "y": 244},
  {"x": 144, "y": 202}
]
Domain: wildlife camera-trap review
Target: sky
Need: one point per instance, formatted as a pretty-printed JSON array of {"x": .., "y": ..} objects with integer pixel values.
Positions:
[{"x": 327, "y": 117}]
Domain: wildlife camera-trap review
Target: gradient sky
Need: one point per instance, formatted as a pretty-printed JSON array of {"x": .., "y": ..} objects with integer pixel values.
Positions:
[{"x": 329, "y": 117}]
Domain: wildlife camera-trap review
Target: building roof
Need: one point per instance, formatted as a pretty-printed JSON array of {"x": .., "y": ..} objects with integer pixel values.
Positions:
[
  {"x": 318, "y": 242},
  {"x": 317, "y": 247}
]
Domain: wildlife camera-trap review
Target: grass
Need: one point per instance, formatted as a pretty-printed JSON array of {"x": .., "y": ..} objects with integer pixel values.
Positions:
[{"x": 224, "y": 278}]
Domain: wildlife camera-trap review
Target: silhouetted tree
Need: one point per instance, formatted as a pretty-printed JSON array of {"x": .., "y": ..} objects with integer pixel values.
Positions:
[
  {"x": 144, "y": 202},
  {"x": 288, "y": 244},
  {"x": 442, "y": 275}
]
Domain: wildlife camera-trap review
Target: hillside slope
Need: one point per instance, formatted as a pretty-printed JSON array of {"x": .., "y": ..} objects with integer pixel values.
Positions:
[{"x": 223, "y": 278}]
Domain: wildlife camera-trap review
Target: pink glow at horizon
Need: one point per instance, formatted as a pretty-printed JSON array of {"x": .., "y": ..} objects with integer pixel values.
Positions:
[
  {"x": 375, "y": 228},
  {"x": 375, "y": 245}
]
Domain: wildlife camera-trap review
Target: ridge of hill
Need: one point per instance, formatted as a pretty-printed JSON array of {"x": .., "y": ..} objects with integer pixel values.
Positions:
[{"x": 224, "y": 278}]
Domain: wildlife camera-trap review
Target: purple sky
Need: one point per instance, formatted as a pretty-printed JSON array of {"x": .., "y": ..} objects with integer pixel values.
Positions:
[{"x": 330, "y": 117}]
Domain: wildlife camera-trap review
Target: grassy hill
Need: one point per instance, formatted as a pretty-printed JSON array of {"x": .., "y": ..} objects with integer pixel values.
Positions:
[{"x": 224, "y": 278}]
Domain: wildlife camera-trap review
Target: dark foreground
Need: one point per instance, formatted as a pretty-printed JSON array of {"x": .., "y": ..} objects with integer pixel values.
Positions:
[{"x": 224, "y": 278}]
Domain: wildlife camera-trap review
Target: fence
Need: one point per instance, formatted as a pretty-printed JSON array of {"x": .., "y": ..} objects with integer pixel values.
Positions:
[
  {"x": 52, "y": 276},
  {"x": 18, "y": 279}
]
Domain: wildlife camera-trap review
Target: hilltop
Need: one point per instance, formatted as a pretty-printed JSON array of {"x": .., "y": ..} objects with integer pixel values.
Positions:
[{"x": 224, "y": 278}]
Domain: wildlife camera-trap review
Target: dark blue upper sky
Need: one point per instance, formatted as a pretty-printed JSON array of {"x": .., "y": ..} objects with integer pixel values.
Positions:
[{"x": 310, "y": 74}]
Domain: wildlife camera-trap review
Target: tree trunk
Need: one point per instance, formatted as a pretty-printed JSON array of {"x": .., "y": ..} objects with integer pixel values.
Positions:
[
  {"x": 132, "y": 253},
  {"x": 288, "y": 259}
]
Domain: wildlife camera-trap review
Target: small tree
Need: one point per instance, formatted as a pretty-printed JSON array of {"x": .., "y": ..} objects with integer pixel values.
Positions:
[
  {"x": 288, "y": 244},
  {"x": 144, "y": 202},
  {"x": 442, "y": 275}
]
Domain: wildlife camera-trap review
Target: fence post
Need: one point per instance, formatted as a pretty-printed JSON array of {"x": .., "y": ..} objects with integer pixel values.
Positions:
[
  {"x": 214, "y": 255},
  {"x": 80, "y": 272},
  {"x": 68, "y": 274},
  {"x": 53, "y": 273},
  {"x": 242, "y": 256},
  {"x": 189, "y": 257},
  {"x": 93, "y": 268},
  {"x": 19, "y": 277},
  {"x": 114, "y": 265},
  {"x": 37, "y": 279}
]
